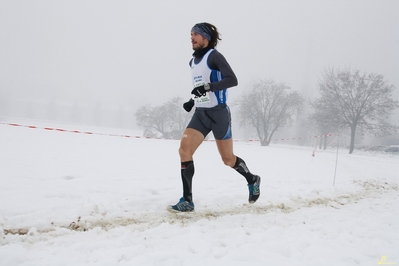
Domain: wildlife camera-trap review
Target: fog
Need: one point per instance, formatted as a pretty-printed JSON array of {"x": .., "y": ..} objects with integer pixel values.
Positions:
[{"x": 68, "y": 60}]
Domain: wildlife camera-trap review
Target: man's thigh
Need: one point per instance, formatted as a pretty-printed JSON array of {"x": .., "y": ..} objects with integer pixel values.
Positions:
[
  {"x": 189, "y": 143},
  {"x": 225, "y": 148}
]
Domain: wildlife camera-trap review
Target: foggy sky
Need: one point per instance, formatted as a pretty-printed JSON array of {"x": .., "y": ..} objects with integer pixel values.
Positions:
[{"x": 137, "y": 52}]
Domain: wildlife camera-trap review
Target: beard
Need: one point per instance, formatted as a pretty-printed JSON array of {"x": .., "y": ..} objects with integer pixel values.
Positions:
[{"x": 197, "y": 46}]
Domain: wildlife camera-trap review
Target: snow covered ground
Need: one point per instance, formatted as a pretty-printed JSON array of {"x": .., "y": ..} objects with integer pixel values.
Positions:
[{"x": 90, "y": 199}]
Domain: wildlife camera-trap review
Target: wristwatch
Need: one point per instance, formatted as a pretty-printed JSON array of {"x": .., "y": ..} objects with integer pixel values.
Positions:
[{"x": 207, "y": 86}]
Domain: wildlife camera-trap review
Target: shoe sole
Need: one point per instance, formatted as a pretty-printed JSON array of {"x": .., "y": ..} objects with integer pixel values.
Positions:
[{"x": 253, "y": 201}]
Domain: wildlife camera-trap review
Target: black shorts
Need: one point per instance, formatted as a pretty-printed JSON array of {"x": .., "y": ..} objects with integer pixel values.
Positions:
[{"x": 216, "y": 119}]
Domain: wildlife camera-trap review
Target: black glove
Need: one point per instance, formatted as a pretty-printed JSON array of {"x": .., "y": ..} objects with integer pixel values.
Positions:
[
  {"x": 200, "y": 90},
  {"x": 188, "y": 105}
]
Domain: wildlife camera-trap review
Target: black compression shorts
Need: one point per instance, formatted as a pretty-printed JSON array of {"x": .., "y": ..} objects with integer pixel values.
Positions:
[{"x": 216, "y": 119}]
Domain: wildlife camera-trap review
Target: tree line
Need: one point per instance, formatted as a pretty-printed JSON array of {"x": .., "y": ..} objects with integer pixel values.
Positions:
[{"x": 350, "y": 101}]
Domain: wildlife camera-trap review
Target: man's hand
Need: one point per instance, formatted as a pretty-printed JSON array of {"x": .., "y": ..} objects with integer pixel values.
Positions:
[
  {"x": 188, "y": 105},
  {"x": 201, "y": 90}
]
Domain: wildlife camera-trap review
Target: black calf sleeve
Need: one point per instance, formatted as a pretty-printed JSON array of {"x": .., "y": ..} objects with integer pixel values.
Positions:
[
  {"x": 241, "y": 167},
  {"x": 187, "y": 173}
]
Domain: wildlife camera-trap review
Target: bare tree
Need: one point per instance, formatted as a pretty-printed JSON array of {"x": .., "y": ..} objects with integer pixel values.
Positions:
[
  {"x": 322, "y": 122},
  {"x": 168, "y": 119},
  {"x": 351, "y": 100},
  {"x": 267, "y": 108}
]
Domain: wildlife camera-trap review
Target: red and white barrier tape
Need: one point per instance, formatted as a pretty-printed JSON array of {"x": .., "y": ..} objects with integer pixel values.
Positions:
[
  {"x": 129, "y": 136},
  {"x": 71, "y": 131},
  {"x": 301, "y": 138},
  {"x": 313, "y": 137}
]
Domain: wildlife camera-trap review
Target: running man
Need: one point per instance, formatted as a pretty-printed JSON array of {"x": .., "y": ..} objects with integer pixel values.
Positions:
[{"x": 211, "y": 77}]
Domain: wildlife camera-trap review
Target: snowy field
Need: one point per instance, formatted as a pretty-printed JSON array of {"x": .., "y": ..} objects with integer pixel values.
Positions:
[{"x": 95, "y": 199}]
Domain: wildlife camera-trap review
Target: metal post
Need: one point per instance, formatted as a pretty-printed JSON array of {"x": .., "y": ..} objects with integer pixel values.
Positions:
[{"x": 336, "y": 162}]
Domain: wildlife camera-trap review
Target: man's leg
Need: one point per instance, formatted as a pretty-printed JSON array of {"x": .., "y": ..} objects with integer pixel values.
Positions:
[
  {"x": 225, "y": 148},
  {"x": 189, "y": 143}
]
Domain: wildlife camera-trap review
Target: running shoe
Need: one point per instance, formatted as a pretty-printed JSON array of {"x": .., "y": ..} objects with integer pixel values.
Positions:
[
  {"x": 254, "y": 190},
  {"x": 181, "y": 206}
]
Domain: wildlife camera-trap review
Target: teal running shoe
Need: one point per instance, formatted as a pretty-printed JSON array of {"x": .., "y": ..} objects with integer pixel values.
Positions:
[
  {"x": 181, "y": 206},
  {"x": 254, "y": 190}
]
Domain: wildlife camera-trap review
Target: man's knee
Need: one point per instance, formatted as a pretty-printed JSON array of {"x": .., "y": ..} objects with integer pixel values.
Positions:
[{"x": 184, "y": 152}]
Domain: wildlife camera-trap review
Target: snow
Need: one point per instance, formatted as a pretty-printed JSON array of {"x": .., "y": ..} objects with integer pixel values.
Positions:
[{"x": 95, "y": 199}]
